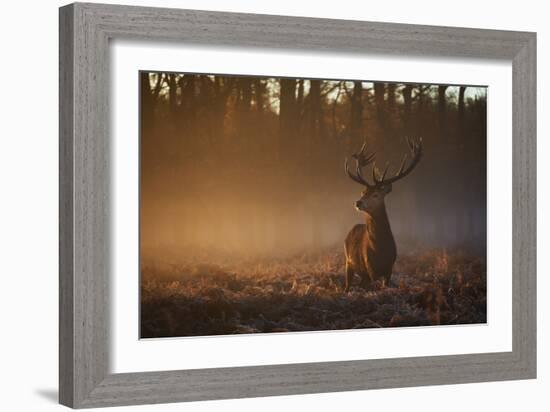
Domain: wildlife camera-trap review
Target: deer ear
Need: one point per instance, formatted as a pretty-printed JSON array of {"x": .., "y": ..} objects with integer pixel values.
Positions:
[{"x": 386, "y": 188}]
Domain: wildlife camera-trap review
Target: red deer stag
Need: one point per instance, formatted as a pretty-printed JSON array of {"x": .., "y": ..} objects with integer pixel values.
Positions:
[{"x": 370, "y": 248}]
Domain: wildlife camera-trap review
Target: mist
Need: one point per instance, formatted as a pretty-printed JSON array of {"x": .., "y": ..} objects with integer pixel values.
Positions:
[{"x": 248, "y": 167}]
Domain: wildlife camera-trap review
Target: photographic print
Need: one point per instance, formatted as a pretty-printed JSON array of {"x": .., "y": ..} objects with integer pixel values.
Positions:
[{"x": 281, "y": 205}]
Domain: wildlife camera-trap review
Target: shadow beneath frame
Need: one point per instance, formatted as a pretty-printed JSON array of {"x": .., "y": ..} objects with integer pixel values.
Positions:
[{"x": 51, "y": 395}]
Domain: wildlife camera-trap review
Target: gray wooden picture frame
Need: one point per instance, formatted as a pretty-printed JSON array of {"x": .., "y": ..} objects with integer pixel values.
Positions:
[{"x": 85, "y": 31}]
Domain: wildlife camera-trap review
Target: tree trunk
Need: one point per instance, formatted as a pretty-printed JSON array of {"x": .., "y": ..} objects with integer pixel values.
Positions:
[
  {"x": 259, "y": 94},
  {"x": 172, "y": 94},
  {"x": 356, "y": 114},
  {"x": 316, "y": 115},
  {"x": 407, "y": 101},
  {"x": 147, "y": 103},
  {"x": 287, "y": 117},
  {"x": 379, "y": 91},
  {"x": 222, "y": 90},
  {"x": 381, "y": 115},
  {"x": 391, "y": 96},
  {"x": 314, "y": 156},
  {"x": 246, "y": 93},
  {"x": 461, "y": 125},
  {"x": 442, "y": 108},
  {"x": 300, "y": 98}
]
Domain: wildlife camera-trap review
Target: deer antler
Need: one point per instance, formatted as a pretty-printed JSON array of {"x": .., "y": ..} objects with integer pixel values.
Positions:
[
  {"x": 416, "y": 154},
  {"x": 362, "y": 159}
]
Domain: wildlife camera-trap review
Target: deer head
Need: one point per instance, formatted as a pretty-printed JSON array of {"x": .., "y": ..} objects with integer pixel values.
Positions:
[{"x": 372, "y": 197}]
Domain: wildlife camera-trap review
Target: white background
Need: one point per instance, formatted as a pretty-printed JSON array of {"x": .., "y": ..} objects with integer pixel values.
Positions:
[
  {"x": 28, "y": 173},
  {"x": 131, "y": 355}
]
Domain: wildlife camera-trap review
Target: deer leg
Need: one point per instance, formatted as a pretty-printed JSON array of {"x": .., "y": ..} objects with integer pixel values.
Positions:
[
  {"x": 349, "y": 276},
  {"x": 365, "y": 281},
  {"x": 386, "y": 280}
]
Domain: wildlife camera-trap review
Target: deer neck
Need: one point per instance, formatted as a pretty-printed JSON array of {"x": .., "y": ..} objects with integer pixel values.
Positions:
[{"x": 378, "y": 228}]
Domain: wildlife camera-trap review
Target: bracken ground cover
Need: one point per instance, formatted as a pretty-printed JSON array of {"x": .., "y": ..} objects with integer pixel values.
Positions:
[{"x": 304, "y": 293}]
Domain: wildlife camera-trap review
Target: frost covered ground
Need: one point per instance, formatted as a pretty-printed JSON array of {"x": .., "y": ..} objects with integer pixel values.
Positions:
[{"x": 304, "y": 293}]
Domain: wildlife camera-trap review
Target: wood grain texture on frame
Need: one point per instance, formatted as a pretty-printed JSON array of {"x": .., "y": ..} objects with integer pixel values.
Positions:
[{"x": 85, "y": 31}]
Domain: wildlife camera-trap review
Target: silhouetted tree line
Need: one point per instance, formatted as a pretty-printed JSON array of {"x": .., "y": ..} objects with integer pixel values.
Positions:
[{"x": 257, "y": 163}]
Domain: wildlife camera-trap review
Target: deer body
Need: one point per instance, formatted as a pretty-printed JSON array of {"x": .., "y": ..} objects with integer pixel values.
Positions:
[{"x": 370, "y": 249}]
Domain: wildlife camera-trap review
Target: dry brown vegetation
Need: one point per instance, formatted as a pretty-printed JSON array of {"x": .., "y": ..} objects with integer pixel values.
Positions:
[{"x": 304, "y": 293}]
